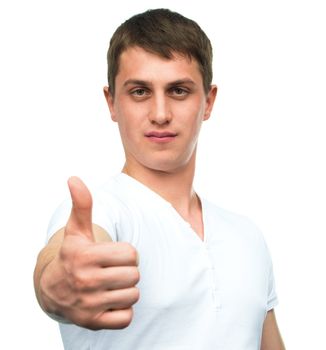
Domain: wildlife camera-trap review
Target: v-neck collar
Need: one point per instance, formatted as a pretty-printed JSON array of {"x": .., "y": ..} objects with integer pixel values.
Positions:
[{"x": 129, "y": 181}]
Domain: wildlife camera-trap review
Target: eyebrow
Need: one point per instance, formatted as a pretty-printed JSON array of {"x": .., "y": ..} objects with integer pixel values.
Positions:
[
  {"x": 182, "y": 82},
  {"x": 148, "y": 83},
  {"x": 136, "y": 82}
]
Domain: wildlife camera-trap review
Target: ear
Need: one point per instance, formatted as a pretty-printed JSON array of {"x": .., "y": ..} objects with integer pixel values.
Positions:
[
  {"x": 109, "y": 99},
  {"x": 210, "y": 99}
]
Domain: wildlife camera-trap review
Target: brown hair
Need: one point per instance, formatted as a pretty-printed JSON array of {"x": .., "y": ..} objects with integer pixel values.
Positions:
[{"x": 161, "y": 32}]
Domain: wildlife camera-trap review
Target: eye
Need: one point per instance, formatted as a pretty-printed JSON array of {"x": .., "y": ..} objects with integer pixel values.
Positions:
[
  {"x": 139, "y": 92},
  {"x": 179, "y": 92}
]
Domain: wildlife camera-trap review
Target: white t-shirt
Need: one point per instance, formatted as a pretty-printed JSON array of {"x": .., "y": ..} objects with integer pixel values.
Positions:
[{"x": 194, "y": 295}]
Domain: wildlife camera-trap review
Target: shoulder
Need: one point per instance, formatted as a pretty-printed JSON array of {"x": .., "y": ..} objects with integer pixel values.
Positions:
[
  {"x": 231, "y": 225},
  {"x": 117, "y": 188},
  {"x": 227, "y": 217},
  {"x": 106, "y": 205}
]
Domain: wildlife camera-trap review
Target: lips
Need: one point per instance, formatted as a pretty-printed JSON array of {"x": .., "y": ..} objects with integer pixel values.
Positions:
[
  {"x": 161, "y": 137},
  {"x": 160, "y": 134}
]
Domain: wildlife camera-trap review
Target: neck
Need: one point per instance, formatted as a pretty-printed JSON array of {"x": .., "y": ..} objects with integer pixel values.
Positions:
[{"x": 174, "y": 186}]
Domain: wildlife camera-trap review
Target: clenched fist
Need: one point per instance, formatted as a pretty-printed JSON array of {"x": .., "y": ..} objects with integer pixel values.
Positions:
[{"x": 88, "y": 283}]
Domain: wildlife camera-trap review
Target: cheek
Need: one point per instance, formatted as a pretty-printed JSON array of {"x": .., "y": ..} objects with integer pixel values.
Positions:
[
  {"x": 124, "y": 117},
  {"x": 130, "y": 129},
  {"x": 192, "y": 119},
  {"x": 194, "y": 107}
]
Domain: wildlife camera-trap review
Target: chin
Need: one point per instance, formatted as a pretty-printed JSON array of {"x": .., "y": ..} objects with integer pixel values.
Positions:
[{"x": 166, "y": 166}]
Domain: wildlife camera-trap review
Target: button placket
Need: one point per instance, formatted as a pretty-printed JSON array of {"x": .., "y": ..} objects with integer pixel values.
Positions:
[{"x": 216, "y": 299}]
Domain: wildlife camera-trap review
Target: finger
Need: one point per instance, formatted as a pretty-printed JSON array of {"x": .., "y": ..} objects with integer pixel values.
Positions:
[
  {"x": 114, "y": 319},
  {"x": 112, "y": 300},
  {"x": 121, "y": 299},
  {"x": 121, "y": 277},
  {"x": 80, "y": 220},
  {"x": 106, "y": 254},
  {"x": 104, "y": 279}
]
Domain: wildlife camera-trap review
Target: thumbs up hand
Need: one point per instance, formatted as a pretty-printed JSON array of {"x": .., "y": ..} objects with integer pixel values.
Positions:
[{"x": 89, "y": 283}]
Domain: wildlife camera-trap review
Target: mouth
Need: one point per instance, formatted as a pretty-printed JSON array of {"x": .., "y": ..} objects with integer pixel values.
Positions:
[{"x": 161, "y": 136}]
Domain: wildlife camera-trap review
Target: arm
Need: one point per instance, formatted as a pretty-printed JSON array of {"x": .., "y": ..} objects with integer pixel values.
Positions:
[
  {"x": 81, "y": 276},
  {"x": 271, "y": 337}
]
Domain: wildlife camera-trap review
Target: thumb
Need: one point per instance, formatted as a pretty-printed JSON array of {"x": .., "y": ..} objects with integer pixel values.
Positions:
[{"x": 80, "y": 220}]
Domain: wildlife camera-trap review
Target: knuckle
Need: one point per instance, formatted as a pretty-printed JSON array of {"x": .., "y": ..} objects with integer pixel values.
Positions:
[
  {"x": 75, "y": 251},
  {"x": 133, "y": 256},
  {"x": 88, "y": 303},
  {"x": 135, "y": 275},
  {"x": 131, "y": 252},
  {"x": 135, "y": 294},
  {"x": 82, "y": 257},
  {"x": 81, "y": 281},
  {"x": 126, "y": 318}
]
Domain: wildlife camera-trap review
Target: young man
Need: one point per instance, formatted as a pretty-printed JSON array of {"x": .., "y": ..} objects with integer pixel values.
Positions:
[{"x": 150, "y": 264}]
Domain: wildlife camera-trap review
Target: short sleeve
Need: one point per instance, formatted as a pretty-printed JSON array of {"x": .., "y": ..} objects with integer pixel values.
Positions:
[
  {"x": 59, "y": 218},
  {"x": 103, "y": 215},
  {"x": 272, "y": 299}
]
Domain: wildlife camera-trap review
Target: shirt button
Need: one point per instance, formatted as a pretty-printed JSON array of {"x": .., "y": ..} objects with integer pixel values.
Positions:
[{"x": 217, "y": 300}]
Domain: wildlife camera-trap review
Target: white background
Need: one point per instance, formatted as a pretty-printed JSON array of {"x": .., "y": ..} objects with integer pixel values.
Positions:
[{"x": 261, "y": 154}]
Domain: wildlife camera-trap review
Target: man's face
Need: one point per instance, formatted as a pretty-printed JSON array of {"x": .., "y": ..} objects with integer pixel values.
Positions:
[{"x": 159, "y": 105}]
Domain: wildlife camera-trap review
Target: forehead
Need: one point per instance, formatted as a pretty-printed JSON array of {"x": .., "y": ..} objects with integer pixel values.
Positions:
[{"x": 136, "y": 63}]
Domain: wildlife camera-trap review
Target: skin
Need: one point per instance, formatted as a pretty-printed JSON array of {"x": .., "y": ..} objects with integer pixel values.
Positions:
[
  {"x": 81, "y": 276},
  {"x": 153, "y": 95},
  {"x": 271, "y": 337},
  {"x": 157, "y": 94}
]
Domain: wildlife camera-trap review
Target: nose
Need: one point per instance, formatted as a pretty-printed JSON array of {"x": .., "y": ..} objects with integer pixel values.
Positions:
[{"x": 160, "y": 111}]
